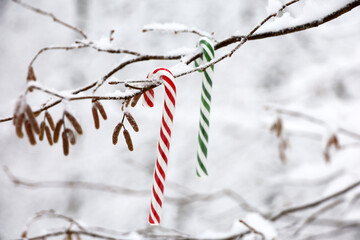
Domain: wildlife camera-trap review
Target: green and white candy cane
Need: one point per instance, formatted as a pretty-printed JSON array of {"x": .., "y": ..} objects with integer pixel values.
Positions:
[{"x": 203, "y": 137}]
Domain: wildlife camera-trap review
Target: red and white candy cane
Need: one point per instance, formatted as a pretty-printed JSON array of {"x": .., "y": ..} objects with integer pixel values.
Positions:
[{"x": 164, "y": 141}]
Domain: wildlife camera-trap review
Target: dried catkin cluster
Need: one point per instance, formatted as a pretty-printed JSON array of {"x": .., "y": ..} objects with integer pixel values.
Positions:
[
  {"x": 126, "y": 133},
  {"x": 98, "y": 107},
  {"x": 277, "y": 128},
  {"x": 24, "y": 116},
  {"x": 46, "y": 126},
  {"x": 133, "y": 100},
  {"x": 332, "y": 143},
  {"x": 67, "y": 134}
]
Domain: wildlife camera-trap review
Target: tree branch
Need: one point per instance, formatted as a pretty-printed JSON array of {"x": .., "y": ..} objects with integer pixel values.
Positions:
[
  {"x": 293, "y": 29},
  {"x": 253, "y": 229},
  {"x": 219, "y": 45},
  {"x": 312, "y": 119},
  {"x": 188, "y": 199},
  {"x": 55, "y": 19},
  {"x": 315, "y": 203}
]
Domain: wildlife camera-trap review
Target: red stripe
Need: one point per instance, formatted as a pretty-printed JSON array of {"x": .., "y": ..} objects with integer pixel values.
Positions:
[
  {"x": 148, "y": 101},
  {"x": 155, "y": 213},
  {"x": 168, "y": 112},
  {"x": 159, "y": 168},
  {"x": 164, "y": 139},
  {"x": 170, "y": 82},
  {"x": 159, "y": 183},
  {"x": 162, "y": 69},
  {"x": 163, "y": 155},
  {"x": 151, "y": 221},
  {"x": 166, "y": 126},
  {"x": 157, "y": 198},
  {"x": 170, "y": 96}
]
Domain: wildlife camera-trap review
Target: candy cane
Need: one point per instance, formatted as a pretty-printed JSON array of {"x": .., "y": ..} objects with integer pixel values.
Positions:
[
  {"x": 164, "y": 141},
  {"x": 203, "y": 137}
]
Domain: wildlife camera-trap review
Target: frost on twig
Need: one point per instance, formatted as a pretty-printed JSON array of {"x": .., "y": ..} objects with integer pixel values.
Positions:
[{"x": 175, "y": 28}]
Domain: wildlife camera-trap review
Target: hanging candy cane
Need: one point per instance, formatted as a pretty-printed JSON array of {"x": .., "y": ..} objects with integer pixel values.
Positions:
[
  {"x": 164, "y": 141},
  {"x": 203, "y": 137}
]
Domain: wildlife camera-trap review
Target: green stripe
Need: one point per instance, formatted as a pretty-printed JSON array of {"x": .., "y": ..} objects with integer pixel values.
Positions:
[
  {"x": 204, "y": 133},
  {"x": 208, "y": 79},
  {"x": 202, "y": 146},
  {"x": 206, "y": 105},
  {"x": 205, "y": 91},
  {"x": 201, "y": 166},
  {"x": 204, "y": 118},
  {"x": 208, "y": 45},
  {"x": 197, "y": 65},
  {"x": 197, "y": 173},
  {"x": 207, "y": 56}
]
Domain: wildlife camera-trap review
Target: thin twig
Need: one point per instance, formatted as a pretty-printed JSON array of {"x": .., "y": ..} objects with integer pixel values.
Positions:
[
  {"x": 253, "y": 229},
  {"x": 288, "y": 30},
  {"x": 51, "y": 214},
  {"x": 184, "y": 30},
  {"x": 219, "y": 45},
  {"x": 315, "y": 203},
  {"x": 312, "y": 119},
  {"x": 190, "y": 198},
  {"x": 55, "y": 19},
  {"x": 316, "y": 214},
  {"x": 73, "y": 184}
]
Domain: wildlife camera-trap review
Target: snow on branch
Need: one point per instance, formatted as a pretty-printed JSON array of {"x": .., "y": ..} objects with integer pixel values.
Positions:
[{"x": 175, "y": 28}]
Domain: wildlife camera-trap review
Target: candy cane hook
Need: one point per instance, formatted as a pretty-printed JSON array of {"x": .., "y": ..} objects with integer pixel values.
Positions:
[
  {"x": 164, "y": 141},
  {"x": 203, "y": 137}
]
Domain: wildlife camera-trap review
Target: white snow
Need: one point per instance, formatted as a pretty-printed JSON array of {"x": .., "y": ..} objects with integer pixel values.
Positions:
[
  {"x": 273, "y": 6},
  {"x": 315, "y": 72},
  {"x": 309, "y": 11}
]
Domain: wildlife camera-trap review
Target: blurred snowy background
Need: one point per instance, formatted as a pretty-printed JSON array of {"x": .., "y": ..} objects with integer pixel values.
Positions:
[{"x": 316, "y": 72}]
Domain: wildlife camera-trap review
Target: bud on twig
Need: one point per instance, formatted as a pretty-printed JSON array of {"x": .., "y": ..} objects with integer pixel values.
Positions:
[
  {"x": 128, "y": 140},
  {"x": 132, "y": 121},
  {"x": 71, "y": 136},
  {"x": 32, "y": 119},
  {"x": 74, "y": 122},
  {"x": 50, "y": 120},
  {"x": 18, "y": 126},
  {"x": 31, "y": 75},
  {"x": 95, "y": 117},
  {"x": 42, "y": 130},
  {"x": 57, "y": 130},
  {"x": 48, "y": 135},
  {"x": 29, "y": 132},
  {"x": 116, "y": 133},
  {"x": 101, "y": 109},
  {"x": 65, "y": 143},
  {"x": 135, "y": 100}
]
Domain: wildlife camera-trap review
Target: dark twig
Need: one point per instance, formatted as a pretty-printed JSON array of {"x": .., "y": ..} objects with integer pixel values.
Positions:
[
  {"x": 191, "y": 198},
  {"x": 293, "y": 29},
  {"x": 185, "y": 30},
  {"x": 311, "y": 119},
  {"x": 315, "y": 203},
  {"x": 74, "y": 184},
  {"x": 219, "y": 45},
  {"x": 284, "y": 31},
  {"x": 316, "y": 214},
  {"x": 253, "y": 229},
  {"x": 55, "y": 19}
]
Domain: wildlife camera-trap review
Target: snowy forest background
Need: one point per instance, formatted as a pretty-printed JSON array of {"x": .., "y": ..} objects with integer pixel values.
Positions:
[{"x": 315, "y": 72}]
